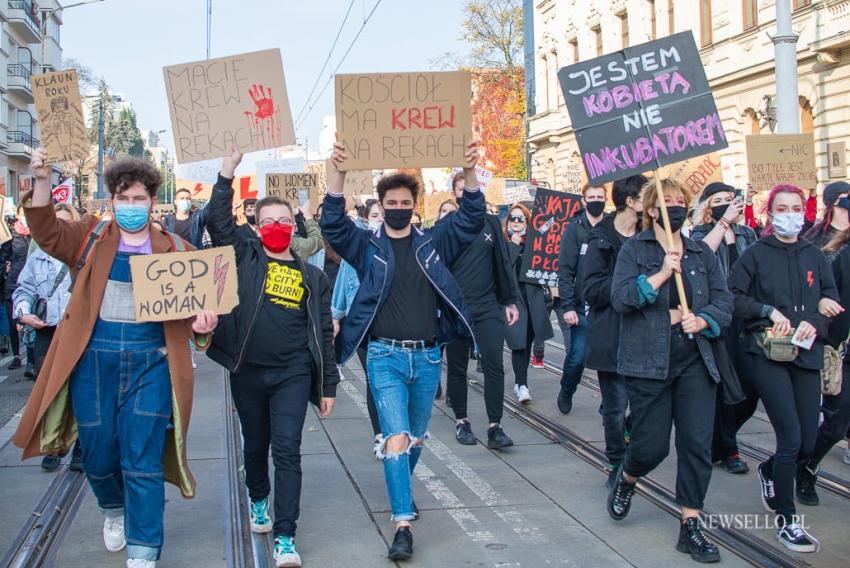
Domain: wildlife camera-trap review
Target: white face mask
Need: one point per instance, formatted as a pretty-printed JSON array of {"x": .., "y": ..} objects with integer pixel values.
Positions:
[
  {"x": 788, "y": 224},
  {"x": 373, "y": 225}
]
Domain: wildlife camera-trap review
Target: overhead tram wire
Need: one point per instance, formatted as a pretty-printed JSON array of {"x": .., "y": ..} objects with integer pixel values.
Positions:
[
  {"x": 327, "y": 60},
  {"x": 341, "y": 61}
]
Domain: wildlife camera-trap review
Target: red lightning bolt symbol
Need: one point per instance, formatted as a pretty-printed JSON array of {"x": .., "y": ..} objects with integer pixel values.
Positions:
[{"x": 220, "y": 277}]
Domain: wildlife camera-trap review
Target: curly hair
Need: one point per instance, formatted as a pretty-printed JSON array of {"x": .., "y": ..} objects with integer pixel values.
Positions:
[
  {"x": 128, "y": 171},
  {"x": 397, "y": 181}
]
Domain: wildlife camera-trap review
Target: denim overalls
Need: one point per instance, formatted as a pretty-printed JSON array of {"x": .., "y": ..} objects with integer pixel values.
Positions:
[{"x": 121, "y": 397}]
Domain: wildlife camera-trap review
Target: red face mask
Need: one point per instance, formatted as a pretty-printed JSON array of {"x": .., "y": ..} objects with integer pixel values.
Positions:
[{"x": 276, "y": 237}]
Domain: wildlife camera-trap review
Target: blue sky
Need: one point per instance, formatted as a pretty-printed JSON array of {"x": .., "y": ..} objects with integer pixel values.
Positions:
[{"x": 129, "y": 41}]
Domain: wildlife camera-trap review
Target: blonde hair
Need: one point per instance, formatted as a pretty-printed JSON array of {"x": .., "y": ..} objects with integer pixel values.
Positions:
[
  {"x": 650, "y": 196},
  {"x": 70, "y": 209}
]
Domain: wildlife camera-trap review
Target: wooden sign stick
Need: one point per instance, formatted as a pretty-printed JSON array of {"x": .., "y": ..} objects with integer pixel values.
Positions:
[{"x": 680, "y": 284}]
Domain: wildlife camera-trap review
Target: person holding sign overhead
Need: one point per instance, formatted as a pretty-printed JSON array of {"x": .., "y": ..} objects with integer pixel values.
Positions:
[
  {"x": 278, "y": 346},
  {"x": 667, "y": 358},
  {"x": 129, "y": 384},
  {"x": 407, "y": 306}
]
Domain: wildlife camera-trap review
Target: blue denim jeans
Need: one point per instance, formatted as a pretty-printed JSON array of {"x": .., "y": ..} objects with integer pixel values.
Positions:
[
  {"x": 404, "y": 382},
  {"x": 121, "y": 397},
  {"x": 574, "y": 362}
]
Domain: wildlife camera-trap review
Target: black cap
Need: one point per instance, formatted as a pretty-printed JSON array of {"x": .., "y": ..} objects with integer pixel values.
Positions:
[
  {"x": 715, "y": 187},
  {"x": 833, "y": 190}
]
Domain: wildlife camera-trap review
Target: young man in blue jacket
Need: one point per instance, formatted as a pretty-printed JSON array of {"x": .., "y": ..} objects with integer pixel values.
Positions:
[{"x": 407, "y": 306}]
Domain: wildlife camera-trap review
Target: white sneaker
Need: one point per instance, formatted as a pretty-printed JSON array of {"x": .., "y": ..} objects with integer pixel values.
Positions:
[
  {"x": 522, "y": 393},
  {"x": 113, "y": 533},
  {"x": 194, "y": 363},
  {"x": 261, "y": 521},
  {"x": 846, "y": 457},
  {"x": 140, "y": 563},
  {"x": 285, "y": 554}
]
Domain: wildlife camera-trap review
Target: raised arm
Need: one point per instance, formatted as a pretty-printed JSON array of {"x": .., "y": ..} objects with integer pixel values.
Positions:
[
  {"x": 305, "y": 247},
  {"x": 219, "y": 220}
]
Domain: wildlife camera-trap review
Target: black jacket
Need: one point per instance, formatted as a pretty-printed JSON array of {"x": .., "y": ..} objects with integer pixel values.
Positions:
[
  {"x": 15, "y": 253},
  {"x": 532, "y": 306},
  {"x": 744, "y": 238},
  {"x": 789, "y": 277},
  {"x": 233, "y": 334},
  {"x": 603, "y": 321},
  {"x": 840, "y": 326},
  {"x": 569, "y": 268},
  {"x": 644, "y": 349},
  {"x": 197, "y": 224},
  {"x": 485, "y": 290}
]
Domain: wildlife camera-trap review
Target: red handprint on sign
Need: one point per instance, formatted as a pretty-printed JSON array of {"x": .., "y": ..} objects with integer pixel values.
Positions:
[{"x": 266, "y": 117}]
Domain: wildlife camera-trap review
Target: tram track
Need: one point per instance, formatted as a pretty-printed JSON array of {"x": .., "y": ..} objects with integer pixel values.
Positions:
[{"x": 826, "y": 480}]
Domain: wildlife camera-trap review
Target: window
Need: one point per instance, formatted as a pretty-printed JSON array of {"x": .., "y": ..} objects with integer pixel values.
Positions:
[
  {"x": 705, "y": 22},
  {"x": 545, "y": 67},
  {"x": 807, "y": 118},
  {"x": 574, "y": 49},
  {"x": 652, "y": 26},
  {"x": 671, "y": 20},
  {"x": 624, "y": 28},
  {"x": 597, "y": 33},
  {"x": 4, "y": 111},
  {"x": 52, "y": 25},
  {"x": 801, "y": 4},
  {"x": 751, "y": 14}
]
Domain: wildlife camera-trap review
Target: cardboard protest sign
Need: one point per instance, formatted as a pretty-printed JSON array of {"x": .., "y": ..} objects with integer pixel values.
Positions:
[
  {"x": 495, "y": 192},
  {"x": 244, "y": 187},
  {"x": 290, "y": 165},
  {"x": 5, "y": 233},
  {"x": 431, "y": 209},
  {"x": 781, "y": 158},
  {"x": 179, "y": 285},
  {"x": 642, "y": 108},
  {"x": 318, "y": 168},
  {"x": 60, "y": 112},
  {"x": 549, "y": 219},
  {"x": 404, "y": 120},
  {"x": 237, "y": 101},
  {"x": 484, "y": 175},
  {"x": 295, "y": 188},
  {"x": 358, "y": 182},
  {"x": 696, "y": 173}
]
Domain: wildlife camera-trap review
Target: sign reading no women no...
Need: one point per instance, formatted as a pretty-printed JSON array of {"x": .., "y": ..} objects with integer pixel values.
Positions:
[{"x": 642, "y": 108}]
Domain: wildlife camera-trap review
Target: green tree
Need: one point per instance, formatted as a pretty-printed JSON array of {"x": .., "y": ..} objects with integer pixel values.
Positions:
[
  {"x": 124, "y": 136},
  {"x": 102, "y": 97},
  {"x": 494, "y": 30}
]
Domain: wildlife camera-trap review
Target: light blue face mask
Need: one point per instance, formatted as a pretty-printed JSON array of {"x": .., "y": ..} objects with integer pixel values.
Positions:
[
  {"x": 132, "y": 218},
  {"x": 184, "y": 205}
]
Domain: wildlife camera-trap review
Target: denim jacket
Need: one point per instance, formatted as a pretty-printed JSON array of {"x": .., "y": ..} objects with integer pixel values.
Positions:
[
  {"x": 35, "y": 281},
  {"x": 744, "y": 237},
  {"x": 645, "y": 329},
  {"x": 347, "y": 284}
]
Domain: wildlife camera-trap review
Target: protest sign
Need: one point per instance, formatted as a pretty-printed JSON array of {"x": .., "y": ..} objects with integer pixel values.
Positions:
[
  {"x": 404, "y": 120},
  {"x": 296, "y": 188},
  {"x": 179, "y": 285},
  {"x": 781, "y": 158},
  {"x": 549, "y": 219},
  {"x": 236, "y": 101},
  {"x": 431, "y": 208},
  {"x": 518, "y": 194},
  {"x": 495, "y": 192},
  {"x": 641, "y": 108},
  {"x": 573, "y": 175},
  {"x": 484, "y": 176},
  {"x": 64, "y": 192},
  {"x": 696, "y": 173},
  {"x": 244, "y": 187},
  {"x": 60, "y": 113},
  {"x": 5, "y": 233},
  {"x": 358, "y": 182},
  {"x": 318, "y": 168},
  {"x": 290, "y": 165}
]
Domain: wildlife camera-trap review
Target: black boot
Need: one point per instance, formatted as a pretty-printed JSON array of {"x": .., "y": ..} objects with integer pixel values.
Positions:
[
  {"x": 497, "y": 439},
  {"x": 15, "y": 364},
  {"x": 30, "y": 371},
  {"x": 620, "y": 497},
  {"x": 565, "y": 402},
  {"x": 402, "y": 546},
  {"x": 807, "y": 477},
  {"x": 694, "y": 542}
]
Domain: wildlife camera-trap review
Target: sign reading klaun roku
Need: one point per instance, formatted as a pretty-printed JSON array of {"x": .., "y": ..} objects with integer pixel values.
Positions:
[{"x": 642, "y": 108}]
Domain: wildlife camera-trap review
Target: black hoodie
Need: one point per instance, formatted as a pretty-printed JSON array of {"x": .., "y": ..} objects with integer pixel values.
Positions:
[{"x": 792, "y": 278}]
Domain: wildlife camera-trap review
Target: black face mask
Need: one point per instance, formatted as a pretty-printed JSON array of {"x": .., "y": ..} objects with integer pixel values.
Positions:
[
  {"x": 718, "y": 211},
  {"x": 398, "y": 219},
  {"x": 252, "y": 219},
  {"x": 595, "y": 208},
  {"x": 677, "y": 214}
]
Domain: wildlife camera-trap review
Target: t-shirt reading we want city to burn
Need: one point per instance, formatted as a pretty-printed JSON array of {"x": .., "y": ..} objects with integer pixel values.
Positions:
[{"x": 279, "y": 338}]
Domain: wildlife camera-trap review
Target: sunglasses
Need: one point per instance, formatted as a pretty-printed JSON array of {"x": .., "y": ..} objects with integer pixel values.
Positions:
[{"x": 516, "y": 219}]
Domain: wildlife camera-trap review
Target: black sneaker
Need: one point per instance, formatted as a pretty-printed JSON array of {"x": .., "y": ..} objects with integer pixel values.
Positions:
[
  {"x": 30, "y": 371},
  {"x": 76, "y": 458},
  {"x": 50, "y": 463},
  {"x": 612, "y": 477},
  {"x": 694, "y": 542},
  {"x": 768, "y": 493},
  {"x": 497, "y": 439},
  {"x": 807, "y": 477},
  {"x": 734, "y": 464},
  {"x": 15, "y": 364},
  {"x": 439, "y": 394},
  {"x": 620, "y": 497},
  {"x": 463, "y": 433},
  {"x": 795, "y": 538},
  {"x": 4, "y": 345},
  {"x": 402, "y": 546},
  {"x": 565, "y": 403}
]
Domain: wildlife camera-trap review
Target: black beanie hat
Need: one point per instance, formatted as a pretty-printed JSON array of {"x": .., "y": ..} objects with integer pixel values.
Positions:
[
  {"x": 715, "y": 187},
  {"x": 833, "y": 190}
]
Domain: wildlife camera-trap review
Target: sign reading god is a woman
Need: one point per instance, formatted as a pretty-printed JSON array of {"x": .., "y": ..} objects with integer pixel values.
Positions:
[{"x": 642, "y": 108}]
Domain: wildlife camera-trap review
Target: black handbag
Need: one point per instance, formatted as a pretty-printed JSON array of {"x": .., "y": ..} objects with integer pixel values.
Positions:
[
  {"x": 730, "y": 383},
  {"x": 39, "y": 309}
]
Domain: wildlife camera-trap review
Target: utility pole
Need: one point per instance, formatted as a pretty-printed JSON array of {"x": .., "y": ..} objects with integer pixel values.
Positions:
[
  {"x": 787, "y": 94},
  {"x": 99, "y": 194},
  {"x": 209, "y": 25}
]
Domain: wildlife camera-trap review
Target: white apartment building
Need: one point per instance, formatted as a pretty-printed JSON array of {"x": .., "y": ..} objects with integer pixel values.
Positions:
[
  {"x": 30, "y": 44},
  {"x": 736, "y": 49}
]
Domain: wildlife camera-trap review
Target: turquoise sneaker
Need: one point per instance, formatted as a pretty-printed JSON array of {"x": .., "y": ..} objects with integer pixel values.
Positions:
[
  {"x": 261, "y": 522},
  {"x": 284, "y": 552}
]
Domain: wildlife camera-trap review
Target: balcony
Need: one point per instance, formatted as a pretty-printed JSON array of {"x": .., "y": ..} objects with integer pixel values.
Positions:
[
  {"x": 18, "y": 81},
  {"x": 23, "y": 20},
  {"x": 21, "y": 143}
]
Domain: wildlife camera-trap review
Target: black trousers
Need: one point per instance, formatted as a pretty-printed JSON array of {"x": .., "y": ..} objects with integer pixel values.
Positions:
[
  {"x": 615, "y": 400},
  {"x": 520, "y": 358},
  {"x": 43, "y": 337},
  {"x": 490, "y": 333},
  {"x": 791, "y": 398},
  {"x": 370, "y": 400},
  {"x": 272, "y": 407},
  {"x": 836, "y": 418},
  {"x": 730, "y": 418},
  {"x": 14, "y": 339},
  {"x": 685, "y": 398}
]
